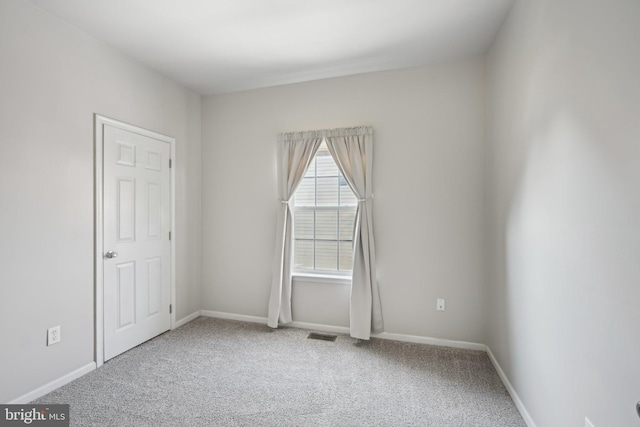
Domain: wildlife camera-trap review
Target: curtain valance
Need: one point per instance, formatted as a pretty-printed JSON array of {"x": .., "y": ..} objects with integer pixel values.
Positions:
[{"x": 325, "y": 133}]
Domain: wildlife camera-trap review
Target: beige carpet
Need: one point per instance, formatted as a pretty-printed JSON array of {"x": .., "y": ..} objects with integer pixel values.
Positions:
[{"x": 214, "y": 372}]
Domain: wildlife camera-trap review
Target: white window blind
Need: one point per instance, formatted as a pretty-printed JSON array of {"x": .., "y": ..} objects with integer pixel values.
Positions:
[{"x": 324, "y": 210}]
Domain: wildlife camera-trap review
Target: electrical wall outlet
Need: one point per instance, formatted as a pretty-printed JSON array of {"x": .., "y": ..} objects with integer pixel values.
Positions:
[
  {"x": 53, "y": 335},
  {"x": 587, "y": 423},
  {"x": 440, "y": 304}
]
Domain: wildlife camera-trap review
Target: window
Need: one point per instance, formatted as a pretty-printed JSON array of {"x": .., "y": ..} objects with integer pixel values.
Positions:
[{"x": 324, "y": 209}]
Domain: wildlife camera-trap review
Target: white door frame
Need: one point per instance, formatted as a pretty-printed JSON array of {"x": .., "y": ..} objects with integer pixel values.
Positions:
[{"x": 99, "y": 122}]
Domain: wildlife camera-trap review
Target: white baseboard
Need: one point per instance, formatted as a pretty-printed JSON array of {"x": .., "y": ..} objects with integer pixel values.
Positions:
[
  {"x": 514, "y": 396},
  {"x": 233, "y": 316},
  {"x": 431, "y": 341},
  {"x": 50, "y": 386},
  {"x": 345, "y": 330},
  {"x": 187, "y": 319},
  {"x": 320, "y": 327}
]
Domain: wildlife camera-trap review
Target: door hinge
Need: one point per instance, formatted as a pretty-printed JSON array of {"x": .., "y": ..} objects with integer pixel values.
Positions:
[
  {"x": 169, "y": 235},
  {"x": 169, "y": 163},
  {"x": 170, "y": 309}
]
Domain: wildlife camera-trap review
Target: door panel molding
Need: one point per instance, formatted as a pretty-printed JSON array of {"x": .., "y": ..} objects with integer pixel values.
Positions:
[{"x": 125, "y": 156}]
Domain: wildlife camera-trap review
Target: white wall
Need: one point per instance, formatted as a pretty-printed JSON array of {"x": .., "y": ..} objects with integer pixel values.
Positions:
[
  {"x": 565, "y": 168},
  {"x": 53, "y": 78},
  {"x": 428, "y": 184}
]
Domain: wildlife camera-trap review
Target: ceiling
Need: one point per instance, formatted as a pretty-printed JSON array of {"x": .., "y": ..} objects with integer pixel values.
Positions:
[{"x": 217, "y": 46}]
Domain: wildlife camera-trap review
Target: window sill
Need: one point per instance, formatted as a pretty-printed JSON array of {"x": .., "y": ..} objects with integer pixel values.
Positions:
[{"x": 321, "y": 278}]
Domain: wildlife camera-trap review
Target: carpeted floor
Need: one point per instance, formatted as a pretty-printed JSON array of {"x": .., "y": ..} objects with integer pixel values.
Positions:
[{"x": 214, "y": 372}]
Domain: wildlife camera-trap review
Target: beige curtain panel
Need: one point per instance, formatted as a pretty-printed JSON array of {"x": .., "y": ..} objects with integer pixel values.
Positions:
[{"x": 294, "y": 157}]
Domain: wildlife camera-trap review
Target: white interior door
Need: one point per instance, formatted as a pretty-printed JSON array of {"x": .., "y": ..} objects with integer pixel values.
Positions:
[{"x": 137, "y": 250}]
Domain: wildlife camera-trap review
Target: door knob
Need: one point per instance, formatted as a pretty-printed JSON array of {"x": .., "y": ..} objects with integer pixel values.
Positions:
[{"x": 111, "y": 254}]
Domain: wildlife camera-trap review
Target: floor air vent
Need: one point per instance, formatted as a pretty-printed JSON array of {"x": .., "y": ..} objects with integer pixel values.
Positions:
[{"x": 324, "y": 337}]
